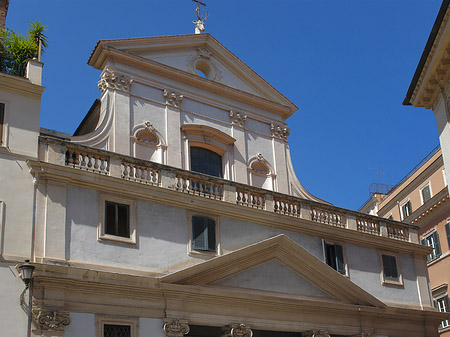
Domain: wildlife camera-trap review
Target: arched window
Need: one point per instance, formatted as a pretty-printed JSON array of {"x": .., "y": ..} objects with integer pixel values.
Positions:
[{"x": 206, "y": 161}]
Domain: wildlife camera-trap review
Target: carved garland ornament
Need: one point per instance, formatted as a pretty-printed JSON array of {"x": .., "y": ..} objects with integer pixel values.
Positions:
[
  {"x": 237, "y": 330},
  {"x": 48, "y": 320},
  {"x": 237, "y": 119},
  {"x": 279, "y": 132},
  {"x": 172, "y": 98},
  {"x": 175, "y": 327},
  {"x": 113, "y": 80}
]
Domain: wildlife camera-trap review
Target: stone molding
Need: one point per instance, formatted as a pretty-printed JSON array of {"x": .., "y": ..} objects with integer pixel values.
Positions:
[
  {"x": 115, "y": 81},
  {"x": 49, "y": 320},
  {"x": 315, "y": 333},
  {"x": 175, "y": 327},
  {"x": 237, "y": 119},
  {"x": 237, "y": 330},
  {"x": 172, "y": 98},
  {"x": 279, "y": 131}
]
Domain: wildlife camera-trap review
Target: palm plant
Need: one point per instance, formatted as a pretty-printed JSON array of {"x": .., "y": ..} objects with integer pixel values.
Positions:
[{"x": 16, "y": 49}]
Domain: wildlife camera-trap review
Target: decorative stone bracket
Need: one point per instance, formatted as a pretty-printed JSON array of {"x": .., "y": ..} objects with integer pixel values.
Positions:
[
  {"x": 172, "y": 98},
  {"x": 237, "y": 330},
  {"x": 237, "y": 119},
  {"x": 49, "y": 321},
  {"x": 113, "y": 80},
  {"x": 175, "y": 327},
  {"x": 279, "y": 131},
  {"x": 315, "y": 333}
]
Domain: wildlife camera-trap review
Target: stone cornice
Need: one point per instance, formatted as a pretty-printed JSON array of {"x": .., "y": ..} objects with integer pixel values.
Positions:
[
  {"x": 431, "y": 207},
  {"x": 21, "y": 84},
  {"x": 434, "y": 74},
  {"x": 168, "y": 43}
]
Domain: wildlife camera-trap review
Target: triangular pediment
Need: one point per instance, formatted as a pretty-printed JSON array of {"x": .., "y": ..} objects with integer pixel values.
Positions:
[
  {"x": 276, "y": 265},
  {"x": 187, "y": 53},
  {"x": 272, "y": 276}
]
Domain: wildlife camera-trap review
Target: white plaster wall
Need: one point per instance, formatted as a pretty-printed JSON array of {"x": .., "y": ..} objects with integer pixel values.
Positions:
[
  {"x": 81, "y": 325},
  {"x": 16, "y": 192},
  {"x": 162, "y": 234},
  {"x": 365, "y": 270},
  {"x": 22, "y": 118},
  {"x": 151, "y": 327},
  {"x": 13, "y": 318}
]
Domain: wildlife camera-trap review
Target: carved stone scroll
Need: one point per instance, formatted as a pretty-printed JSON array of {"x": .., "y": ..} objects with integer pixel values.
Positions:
[
  {"x": 237, "y": 119},
  {"x": 175, "y": 327},
  {"x": 172, "y": 98},
  {"x": 51, "y": 321},
  {"x": 279, "y": 131},
  {"x": 113, "y": 80},
  {"x": 237, "y": 330}
]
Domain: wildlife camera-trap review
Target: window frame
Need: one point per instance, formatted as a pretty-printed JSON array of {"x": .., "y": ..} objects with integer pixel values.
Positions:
[
  {"x": 344, "y": 255},
  {"x": 102, "y": 235},
  {"x": 421, "y": 193},
  {"x": 432, "y": 256},
  {"x": 204, "y": 253},
  {"x": 384, "y": 279},
  {"x": 102, "y": 320},
  {"x": 401, "y": 209},
  {"x": 440, "y": 293}
]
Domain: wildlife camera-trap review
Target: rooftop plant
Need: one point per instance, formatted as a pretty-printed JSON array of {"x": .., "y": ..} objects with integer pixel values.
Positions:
[{"x": 16, "y": 49}]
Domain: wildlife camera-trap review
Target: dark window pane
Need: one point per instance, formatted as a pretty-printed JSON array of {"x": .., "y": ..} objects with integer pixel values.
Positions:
[
  {"x": 206, "y": 161},
  {"x": 110, "y": 218},
  {"x": 339, "y": 259},
  {"x": 203, "y": 233},
  {"x": 390, "y": 267},
  {"x": 335, "y": 257},
  {"x": 447, "y": 230},
  {"x": 113, "y": 330},
  {"x": 117, "y": 219}
]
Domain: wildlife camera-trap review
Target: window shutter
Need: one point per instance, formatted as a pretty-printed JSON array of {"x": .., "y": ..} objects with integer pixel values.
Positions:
[
  {"x": 425, "y": 243},
  {"x": 447, "y": 229},
  {"x": 437, "y": 245},
  {"x": 2, "y": 121},
  {"x": 211, "y": 235},
  {"x": 340, "y": 259},
  {"x": 446, "y": 303},
  {"x": 199, "y": 234}
]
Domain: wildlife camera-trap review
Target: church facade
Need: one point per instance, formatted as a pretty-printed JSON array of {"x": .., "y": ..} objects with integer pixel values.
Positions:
[{"x": 174, "y": 210}]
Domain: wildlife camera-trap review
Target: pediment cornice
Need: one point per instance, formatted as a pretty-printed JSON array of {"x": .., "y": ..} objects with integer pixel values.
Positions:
[
  {"x": 285, "y": 251},
  {"x": 124, "y": 50}
]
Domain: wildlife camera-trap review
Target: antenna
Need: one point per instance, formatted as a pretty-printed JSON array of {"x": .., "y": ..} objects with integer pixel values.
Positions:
[
  {"x": 199, "y": 23},
  {"x": 379, "y": 172}
]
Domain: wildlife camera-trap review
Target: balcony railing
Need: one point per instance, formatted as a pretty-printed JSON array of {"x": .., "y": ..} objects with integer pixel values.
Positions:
[{"x": 102, "y": 162}]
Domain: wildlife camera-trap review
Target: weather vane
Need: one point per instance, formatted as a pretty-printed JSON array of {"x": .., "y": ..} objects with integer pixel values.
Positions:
[{"x": 200, "y": 23}]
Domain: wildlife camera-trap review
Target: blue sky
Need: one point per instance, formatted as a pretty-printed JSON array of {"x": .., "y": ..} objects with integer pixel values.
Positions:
[{"x": 346, "y": 64}]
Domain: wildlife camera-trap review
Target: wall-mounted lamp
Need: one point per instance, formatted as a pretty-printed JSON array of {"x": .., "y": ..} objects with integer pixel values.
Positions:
[{"x": 26, "y": 274}]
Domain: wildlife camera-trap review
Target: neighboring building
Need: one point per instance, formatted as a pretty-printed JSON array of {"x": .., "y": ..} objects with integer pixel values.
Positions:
[
  {"x": 174, "y": 210},
  {"x": 421, "y": 198},
  {"x": 430, "y": 88},
  {"x": 4, "y": 4}
]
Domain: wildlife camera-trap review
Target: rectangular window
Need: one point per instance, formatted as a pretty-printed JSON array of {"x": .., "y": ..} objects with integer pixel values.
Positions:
[
  {"x": 432, "y": 241},
  {"x": 390, "y": 271},
  {"x": 117, "y": 219},
  {"x": 406, "y": 210},
  {"x": 113, "y": 330},
  {"x": 447, "y": 231},
  {"x": 107, "y": 326},
  {"x": 334, "y": 256},
  {"x": 203, "y": 233},
  {"x": 426, "y": 193},
  {"x": 442, "y": 304},
  {"x": 2, "y": 121}
]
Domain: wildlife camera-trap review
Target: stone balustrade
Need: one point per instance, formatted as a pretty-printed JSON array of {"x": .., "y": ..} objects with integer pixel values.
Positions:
[{"x": 102, "y": 162}]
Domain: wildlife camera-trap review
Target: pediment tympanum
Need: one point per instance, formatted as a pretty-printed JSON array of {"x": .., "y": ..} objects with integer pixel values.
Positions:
[
  {"x": 256, "y": 266},
  {"x": 193, "y": 55}
]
